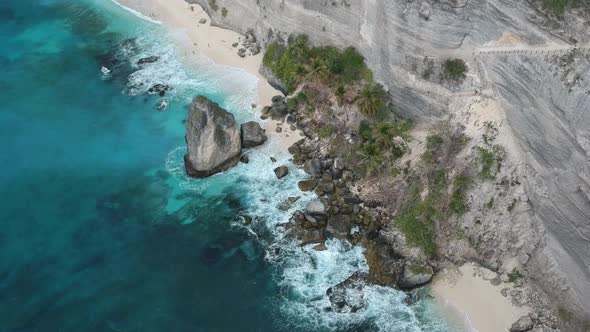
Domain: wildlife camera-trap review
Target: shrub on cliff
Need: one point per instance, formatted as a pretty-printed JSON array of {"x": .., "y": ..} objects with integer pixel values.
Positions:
[
  {"x": 213, "y": 5},
  {"x": 557, "y": 7},
  {"x": 455, "y": 69}
]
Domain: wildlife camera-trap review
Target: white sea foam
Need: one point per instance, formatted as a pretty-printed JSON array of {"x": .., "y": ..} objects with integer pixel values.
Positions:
[{"x": 136, "y": 13}]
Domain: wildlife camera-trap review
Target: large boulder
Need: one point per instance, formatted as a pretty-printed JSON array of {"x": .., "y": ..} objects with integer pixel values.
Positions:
[
  {"x": 279, "y": 108},
  {"x": 313, "y": 167},
  {"x": 415, "y": 275},
  {"x": 212, "y": 137},
  {"x": 252, "y": 135},
  {"x": 281, "y": 171},
  {"x": 316, "y": 208}
]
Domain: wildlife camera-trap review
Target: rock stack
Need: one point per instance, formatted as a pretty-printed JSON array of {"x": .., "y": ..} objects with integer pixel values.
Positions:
[{"x": 214, "y": 140}]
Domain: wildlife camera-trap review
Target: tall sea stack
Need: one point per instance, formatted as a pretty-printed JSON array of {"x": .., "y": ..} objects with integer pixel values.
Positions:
[{"x": 212, "y": 137}]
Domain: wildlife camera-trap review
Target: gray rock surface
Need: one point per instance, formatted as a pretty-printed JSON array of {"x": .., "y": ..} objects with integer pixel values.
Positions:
[
  {"x": 212, "y": 138},
  {"x": 252, "y": 135}
]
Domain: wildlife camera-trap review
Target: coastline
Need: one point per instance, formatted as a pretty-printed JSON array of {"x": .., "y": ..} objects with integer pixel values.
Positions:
[
  {"x": 215, "y": 43},
  {"x": 467, "y": 296}
]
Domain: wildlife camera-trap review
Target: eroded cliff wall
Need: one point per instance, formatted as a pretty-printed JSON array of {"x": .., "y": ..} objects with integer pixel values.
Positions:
[{"x": 517, "y": 54}]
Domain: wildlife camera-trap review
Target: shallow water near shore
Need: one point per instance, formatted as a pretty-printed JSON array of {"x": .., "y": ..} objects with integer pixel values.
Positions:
[{"x": 100, "y": 228}]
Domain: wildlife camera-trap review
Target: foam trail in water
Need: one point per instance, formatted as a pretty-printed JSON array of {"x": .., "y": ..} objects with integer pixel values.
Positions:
[{"x": 136, "y": 13}]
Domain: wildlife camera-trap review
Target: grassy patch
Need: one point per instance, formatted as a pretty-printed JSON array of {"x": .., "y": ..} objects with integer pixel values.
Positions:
[
  {"x": 458, "y": 202},
  {"x": 455, "y": 69},
  {"x": 325, "y": 132},
  {"x": 490, "y": 161},
  {"x": 418, "y": 225},
  {"x": 299, "y": 99},
  {"x": 224, "y": 12}
]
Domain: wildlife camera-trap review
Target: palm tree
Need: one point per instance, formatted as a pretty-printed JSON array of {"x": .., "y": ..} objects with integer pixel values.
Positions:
[
  {"x": 317, "y": 70},
  {"x": 383, "y": 133},
  {"x": 372, "y": 159},
  {"x": 371, "y": 98}
]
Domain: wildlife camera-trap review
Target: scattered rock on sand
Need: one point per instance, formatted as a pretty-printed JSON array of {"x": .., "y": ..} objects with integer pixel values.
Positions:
[
  {"x": 252, "y": 135},
  {"x": 203, "y": 21}
]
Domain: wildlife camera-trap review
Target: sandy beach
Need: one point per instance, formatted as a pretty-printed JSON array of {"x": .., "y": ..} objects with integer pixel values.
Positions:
[
  {"x": 214, "y": 43},
  {"x": 467, "y": 296}
]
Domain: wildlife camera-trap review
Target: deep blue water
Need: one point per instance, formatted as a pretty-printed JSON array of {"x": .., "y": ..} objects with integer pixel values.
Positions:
[{"x": 99, "y": 228}]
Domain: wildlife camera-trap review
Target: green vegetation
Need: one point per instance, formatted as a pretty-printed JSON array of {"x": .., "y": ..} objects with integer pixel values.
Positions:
[
  {"x": 298, "y": 61},
  {"x": 381, "y": 145},
  {"x": 213, "y": 5},
  {"x": 224, "y": 12},
  {"x": 515, "y": 275},
  {"x": 417, "y": 222},
  {"x": 458, "y": 201},
  {"x": 299, "y": 99},
  {"x": 438, "y": 183},
  {"x": 455, "y": 69},
  {"x": 325, "y": 132},
  {"x": 372, "y": 98},
  {"x": 490, "y": 161},
  {"x": 557, "y": 7}
]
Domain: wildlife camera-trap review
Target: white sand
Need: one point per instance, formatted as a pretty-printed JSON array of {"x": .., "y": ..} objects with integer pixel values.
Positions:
[
  {"x": 216, "y": 44},
  {"x": 465, "y": 294}
]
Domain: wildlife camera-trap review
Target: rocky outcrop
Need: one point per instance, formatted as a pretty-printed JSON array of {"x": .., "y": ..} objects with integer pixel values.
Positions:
[
  {"x": 212, "y": 138},
  {"x": 252, "y": 135},
  {"x": 415, "y": 275}
]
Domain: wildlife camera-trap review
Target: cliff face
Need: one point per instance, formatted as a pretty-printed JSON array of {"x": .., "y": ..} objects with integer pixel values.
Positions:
[{"x": 518, "y": 56}]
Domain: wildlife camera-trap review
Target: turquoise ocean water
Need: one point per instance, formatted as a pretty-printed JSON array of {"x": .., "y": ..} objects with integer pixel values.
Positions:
[{"x": 99, "y": 228}]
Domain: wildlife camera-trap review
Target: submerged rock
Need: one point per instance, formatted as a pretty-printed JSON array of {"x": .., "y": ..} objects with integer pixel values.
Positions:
[
  {"x": 213, "y": 139},
  {"x": 149, "y": 59},
  {"x": 348, "y": 296},
  {"x": 252, "y": 135},
  {"x": 159, "y": 89}
]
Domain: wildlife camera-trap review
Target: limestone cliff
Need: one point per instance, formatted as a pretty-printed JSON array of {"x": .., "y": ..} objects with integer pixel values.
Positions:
[{"x": 521, "y": 58}]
